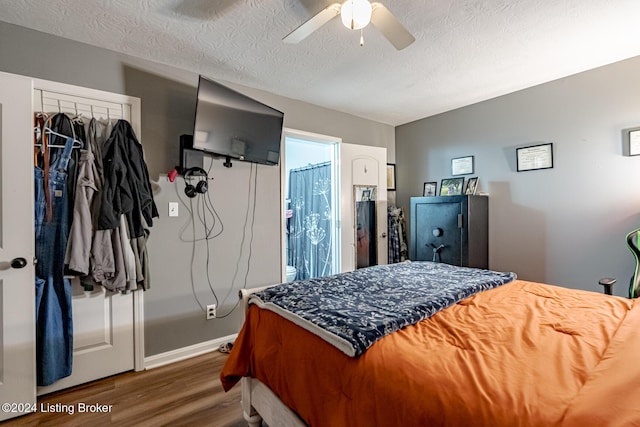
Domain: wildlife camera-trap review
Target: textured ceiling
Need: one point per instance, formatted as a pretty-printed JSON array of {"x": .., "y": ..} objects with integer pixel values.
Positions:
[{"x": 465, "y": 50}]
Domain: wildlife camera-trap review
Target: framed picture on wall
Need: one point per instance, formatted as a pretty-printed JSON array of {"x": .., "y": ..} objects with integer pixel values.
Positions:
[
  {"x": 631, "y": 138},
  {"x": 472, "y": 186},
  {"x": 534, "y": 157},
  {"x": 462, "y": 165},
  {"x": 429, "y": 189},
  {"x": 451, "y": 186},
  {"x": 391, "y": 176}
]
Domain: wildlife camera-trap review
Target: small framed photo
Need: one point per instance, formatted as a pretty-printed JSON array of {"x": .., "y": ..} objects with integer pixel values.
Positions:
[
  {"x": 391, "y": 176},
  {"x": 631, "y": 138},
  {"x": 364, "y": 193},
  {"x": 472, "y": 186},
  {"x": 462, "y": 166},
  {"x": 534, "y": 157},
  {"x": 429, "y": 189},
  {"x": 451, "y": 186}
]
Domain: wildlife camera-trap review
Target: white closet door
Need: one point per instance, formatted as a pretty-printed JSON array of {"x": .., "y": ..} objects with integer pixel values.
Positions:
[
  {"x": 17, "y": 285},
  {"x": 103, "y": 325}
]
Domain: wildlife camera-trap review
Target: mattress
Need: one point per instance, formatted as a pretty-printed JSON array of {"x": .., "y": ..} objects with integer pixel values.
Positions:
[{"x": 522, "y": 354}]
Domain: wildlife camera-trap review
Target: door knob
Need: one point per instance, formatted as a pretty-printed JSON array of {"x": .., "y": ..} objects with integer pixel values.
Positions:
[
  {"x": 383, "y": 235},
  {"x": 18, "y": 263}
]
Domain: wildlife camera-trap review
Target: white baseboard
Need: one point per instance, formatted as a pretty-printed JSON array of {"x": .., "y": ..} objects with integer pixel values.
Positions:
[{"x": 172, "y": 356}]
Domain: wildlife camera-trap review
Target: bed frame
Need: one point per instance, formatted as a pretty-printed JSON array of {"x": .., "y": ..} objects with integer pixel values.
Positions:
[{"x": 258, "y": 401}]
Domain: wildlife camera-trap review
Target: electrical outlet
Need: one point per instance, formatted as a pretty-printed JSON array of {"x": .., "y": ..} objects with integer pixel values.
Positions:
[{"x": 211, "y": 311}]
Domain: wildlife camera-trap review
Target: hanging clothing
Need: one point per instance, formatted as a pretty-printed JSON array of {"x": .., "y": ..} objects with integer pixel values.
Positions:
[
  {"x": 62, "y": 123},
  {"x": 102, "y": 258},
  {"x": 110, "y": 256},
  {"x": 96, "y": 135},
  {"x": 128, "y": 256},
  {"x": 310, "y": 246},
  {"x": 81, "y": 234},
  {"x": 126, "y": 191},
  {"x": 116, "y": 280},
  {"x": 396, "y": 230},
  {"x": 78, "y": 194},
  {"x": 139, "y": 246},
  {"x": 54, "y": 324}
]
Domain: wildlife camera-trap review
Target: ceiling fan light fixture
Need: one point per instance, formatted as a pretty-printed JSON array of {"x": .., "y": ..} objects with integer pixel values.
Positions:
[{"x": 355, "y": 14}]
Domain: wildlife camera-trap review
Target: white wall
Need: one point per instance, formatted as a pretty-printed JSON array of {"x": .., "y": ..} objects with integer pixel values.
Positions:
[{"x": 564, "y": 225}]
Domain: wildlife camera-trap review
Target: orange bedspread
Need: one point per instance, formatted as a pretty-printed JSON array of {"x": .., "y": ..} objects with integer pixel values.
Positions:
[{"x": 523, "y": 354}]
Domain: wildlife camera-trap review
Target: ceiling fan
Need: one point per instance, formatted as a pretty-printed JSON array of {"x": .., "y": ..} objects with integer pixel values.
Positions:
[{"x": 355, "y": 15}]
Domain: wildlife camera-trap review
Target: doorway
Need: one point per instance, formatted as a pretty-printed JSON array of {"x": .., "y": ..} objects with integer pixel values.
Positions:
[
  {"x": 363, "y": 178},
  {"x": 311, "y": 206}
]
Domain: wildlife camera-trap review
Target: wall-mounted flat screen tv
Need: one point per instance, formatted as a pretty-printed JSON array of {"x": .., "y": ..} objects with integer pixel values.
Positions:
[{"x": 230, "y": 124}]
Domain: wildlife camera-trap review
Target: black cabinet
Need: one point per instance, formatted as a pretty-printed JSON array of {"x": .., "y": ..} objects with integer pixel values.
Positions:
[{"x": 453, "y": 228}]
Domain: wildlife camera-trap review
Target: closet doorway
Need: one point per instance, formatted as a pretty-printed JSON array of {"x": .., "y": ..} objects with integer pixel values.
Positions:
[{"x": 311, "y": 206}]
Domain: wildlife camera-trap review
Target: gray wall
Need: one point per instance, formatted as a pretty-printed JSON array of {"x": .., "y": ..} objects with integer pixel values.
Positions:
[
  {"x": 172, "y": 317},
  {"x": 565, "y": 225}
]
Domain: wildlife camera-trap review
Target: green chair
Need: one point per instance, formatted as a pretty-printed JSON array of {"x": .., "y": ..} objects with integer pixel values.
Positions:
[{"x": 634, "y": 284}]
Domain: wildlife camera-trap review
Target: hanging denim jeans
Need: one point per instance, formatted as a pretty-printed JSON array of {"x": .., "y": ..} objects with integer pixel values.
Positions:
[{"x": 54, "y": 326}]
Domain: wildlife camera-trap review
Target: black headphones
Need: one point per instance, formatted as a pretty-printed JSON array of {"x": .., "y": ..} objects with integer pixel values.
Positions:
[{"x": 200, "y": 188}]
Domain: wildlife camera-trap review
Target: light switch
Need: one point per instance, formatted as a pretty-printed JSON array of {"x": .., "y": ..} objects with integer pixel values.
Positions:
[{"x": 173, "y": 208}]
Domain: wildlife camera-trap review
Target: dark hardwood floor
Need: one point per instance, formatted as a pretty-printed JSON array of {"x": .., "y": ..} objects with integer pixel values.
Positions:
[{"x": 186, "y": 393}]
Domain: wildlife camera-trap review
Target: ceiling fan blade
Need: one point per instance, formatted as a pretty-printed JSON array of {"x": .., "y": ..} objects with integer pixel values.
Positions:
[
  {"x": 317, "y": 21},
  {"x": 390, "y": 27}
]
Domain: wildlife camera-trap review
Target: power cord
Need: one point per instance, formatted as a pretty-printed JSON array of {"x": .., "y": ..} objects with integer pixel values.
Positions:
[{"x": 246, "y": 217}]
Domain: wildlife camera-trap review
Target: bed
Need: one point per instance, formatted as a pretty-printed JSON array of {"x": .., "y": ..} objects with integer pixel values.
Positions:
[{"x": 510, "y": 353}]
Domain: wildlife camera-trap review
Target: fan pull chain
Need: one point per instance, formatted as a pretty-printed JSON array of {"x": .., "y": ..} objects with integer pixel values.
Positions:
[{"x": 361, "y": 36}]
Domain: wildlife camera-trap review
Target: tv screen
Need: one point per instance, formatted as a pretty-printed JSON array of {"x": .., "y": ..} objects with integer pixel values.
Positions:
[{"x": 230, "y": 124}]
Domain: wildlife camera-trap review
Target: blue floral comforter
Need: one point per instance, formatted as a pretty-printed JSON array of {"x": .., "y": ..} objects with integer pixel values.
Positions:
[{"x": 353, "y": 310}]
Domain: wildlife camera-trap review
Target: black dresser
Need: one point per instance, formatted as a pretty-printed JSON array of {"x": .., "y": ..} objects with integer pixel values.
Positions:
[{"x": 450, "y": 229}]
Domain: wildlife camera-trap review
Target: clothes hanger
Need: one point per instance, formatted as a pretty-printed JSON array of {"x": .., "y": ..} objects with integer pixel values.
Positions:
[
  {"x": 77, "y": 118},
  {"x": 76, "y": 143}
]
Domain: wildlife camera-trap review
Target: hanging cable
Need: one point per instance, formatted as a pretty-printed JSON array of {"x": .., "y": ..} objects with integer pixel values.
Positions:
[
  {"x": 250, "y": 207},
  {"x": 208, "y": 231},
  {"x": 193, "y": 242},
  {"x": 208, "y": 251},
  {"x": 253, "y": 221},
  {"x": 193, "y": 256}
]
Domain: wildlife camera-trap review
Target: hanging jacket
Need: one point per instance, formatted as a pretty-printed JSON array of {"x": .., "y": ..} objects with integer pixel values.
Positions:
[
  {"x": 127, "y": 189},
  {"x": 78, "y": 252}
]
